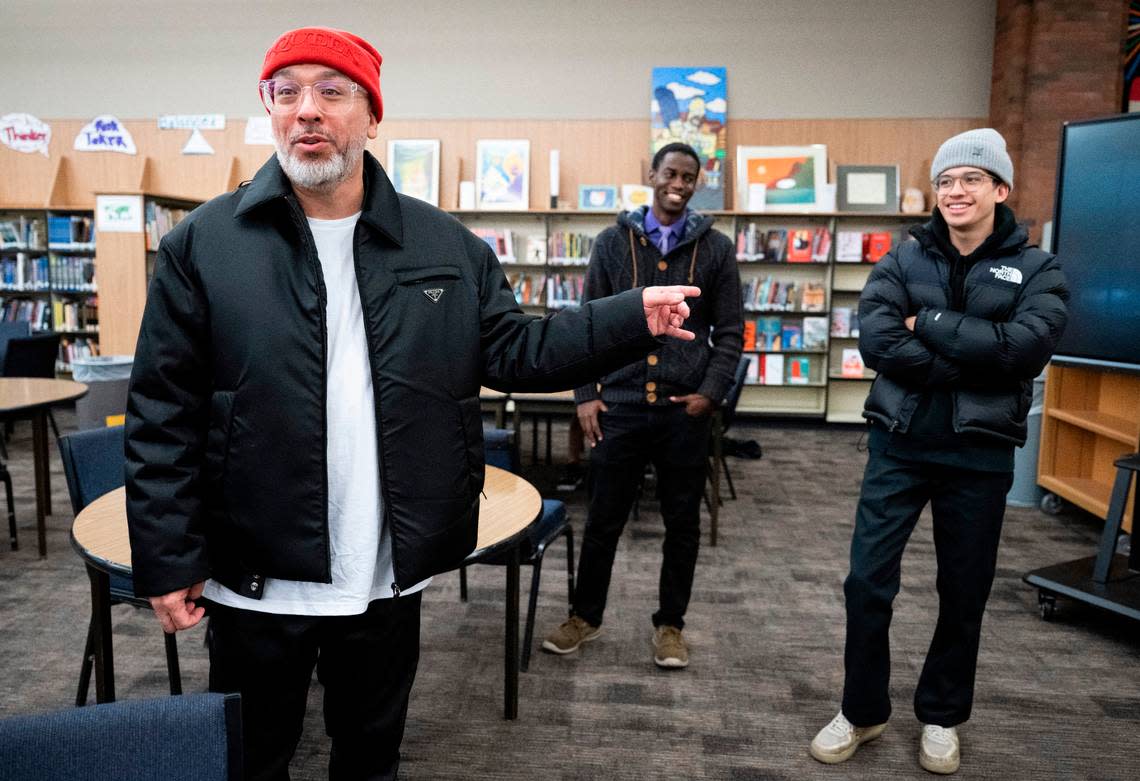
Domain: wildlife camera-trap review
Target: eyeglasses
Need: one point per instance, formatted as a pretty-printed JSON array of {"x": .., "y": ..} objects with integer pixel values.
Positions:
[
  {"x": 971, "y": 182},
  {"x": 284, "y": 96}
]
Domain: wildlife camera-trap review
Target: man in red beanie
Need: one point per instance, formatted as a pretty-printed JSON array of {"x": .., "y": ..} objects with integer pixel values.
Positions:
[{"x": 304, "y": 437}]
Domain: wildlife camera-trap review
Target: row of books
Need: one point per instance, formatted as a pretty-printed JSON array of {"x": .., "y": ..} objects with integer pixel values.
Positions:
[
  {"x": 768, "y": 294},
  {"x": 79, "y": 347},
  {"x": 773, "y": 369},
  {"x": 845, "y": 322},
  {"x": 862, "y": 247},
  {"x": 501, "y": 241},
  {"x": 35, "y": 311},
  {"x": 21, "y": 232},
  {"x": 160, "y": 220},
  {"x": 75, "y": 273},
  {"x": 71, "y": 231},
  {"x": 785, "y": 334},
  {"x": 564, "y": 290},
  {"x": 530, "y": 289},
  {"x": 782, "y": 245},
  {"x": 76, "y": 315},
  {"x": 566, "y": 248}
]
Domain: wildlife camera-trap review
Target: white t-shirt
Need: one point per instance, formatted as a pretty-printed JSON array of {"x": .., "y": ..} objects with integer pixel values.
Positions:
[{"x": 361, "y": 550}]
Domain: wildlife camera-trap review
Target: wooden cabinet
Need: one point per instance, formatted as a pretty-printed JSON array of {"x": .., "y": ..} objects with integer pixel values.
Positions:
[{"x": 1091, "y": 417}]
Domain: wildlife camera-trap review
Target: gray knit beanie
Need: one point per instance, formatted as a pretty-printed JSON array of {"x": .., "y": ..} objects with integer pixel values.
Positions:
[{"x": 983, "y": 148}]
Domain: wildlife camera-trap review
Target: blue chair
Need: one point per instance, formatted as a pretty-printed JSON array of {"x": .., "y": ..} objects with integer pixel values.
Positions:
[
  {"x": 728, "y": 415},
  {"x": 191, "y": 738},
  {"x": 33, "y": 356},
  {"x": 94, "y": 463},
  {"x": 500, "y": 448}
]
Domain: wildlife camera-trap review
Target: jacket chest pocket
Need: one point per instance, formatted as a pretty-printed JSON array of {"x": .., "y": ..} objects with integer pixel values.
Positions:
[{"x": 432, "y": 311}]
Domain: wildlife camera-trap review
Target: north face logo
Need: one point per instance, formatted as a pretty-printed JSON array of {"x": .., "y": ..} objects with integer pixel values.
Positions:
[
  {"x": 435, "y": 293},
  {"x": 1007, "y": 274}
]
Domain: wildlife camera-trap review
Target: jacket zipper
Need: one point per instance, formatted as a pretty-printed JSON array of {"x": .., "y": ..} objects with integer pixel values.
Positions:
[
  {"x": 322, "y": 295},
  {"x": 372, "y": 352}
]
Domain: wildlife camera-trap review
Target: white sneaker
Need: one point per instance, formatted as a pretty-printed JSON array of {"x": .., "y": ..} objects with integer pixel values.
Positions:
[
  {"x": 939, "y": 752},
  {"x": 838, "y": 741}
]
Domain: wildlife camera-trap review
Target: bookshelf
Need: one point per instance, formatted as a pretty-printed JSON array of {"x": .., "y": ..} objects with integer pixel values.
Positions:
[
  {"x": 1091, "y": 417},
  {"x": 126, "y": 262},
  {"x": 47, "y": 276}
]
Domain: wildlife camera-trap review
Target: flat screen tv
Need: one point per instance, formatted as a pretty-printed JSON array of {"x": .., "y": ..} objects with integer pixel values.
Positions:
[{"x": 1096, "y": 237}]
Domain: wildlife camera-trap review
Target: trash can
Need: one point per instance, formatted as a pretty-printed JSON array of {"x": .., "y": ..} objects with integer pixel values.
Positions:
[
  {"x": 107, "y": 378},
  {"x": 1025, "y": 492}
]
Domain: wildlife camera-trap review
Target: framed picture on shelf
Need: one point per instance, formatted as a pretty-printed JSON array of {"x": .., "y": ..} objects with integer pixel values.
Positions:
[
  {"x": 597, "y": 197},
  {"x": 781, "y": 178},
  {"x": 413, "y": 167},
  {"x": 502, "y": 174},
  {"x": 867, "y": 188}
]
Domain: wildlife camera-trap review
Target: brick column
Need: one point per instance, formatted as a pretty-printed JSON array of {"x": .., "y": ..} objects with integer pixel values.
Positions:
[{"x": 1054, "y": 61}]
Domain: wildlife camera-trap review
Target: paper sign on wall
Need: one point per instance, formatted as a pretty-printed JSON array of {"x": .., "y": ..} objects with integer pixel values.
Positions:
[
  {"x": 192, "y": 122},
  {"x": 197, "y": 144},
  {"x": 118, "y": 213},
  {"x": 105, "y": 134},
  {"x": 25, "y": 133},
  {"x": 258, "y": 130}
]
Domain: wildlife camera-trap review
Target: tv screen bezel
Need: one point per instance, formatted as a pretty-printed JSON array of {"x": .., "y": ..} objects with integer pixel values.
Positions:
[{"x": 1066, "y": 359}]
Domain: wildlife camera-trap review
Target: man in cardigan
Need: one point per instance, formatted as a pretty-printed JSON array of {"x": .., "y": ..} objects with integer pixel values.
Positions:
[{"x": 658, "y": 409}]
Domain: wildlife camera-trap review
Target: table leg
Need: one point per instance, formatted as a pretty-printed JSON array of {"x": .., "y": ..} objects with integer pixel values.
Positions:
[
  {"x": 511, "y": 641},
  {"x": 40, "y": 466},
  {"x": 104, "y": 651}
]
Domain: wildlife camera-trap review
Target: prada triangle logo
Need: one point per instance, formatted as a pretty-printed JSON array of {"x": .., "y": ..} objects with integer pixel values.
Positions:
[{"x": 434, "y": 293}]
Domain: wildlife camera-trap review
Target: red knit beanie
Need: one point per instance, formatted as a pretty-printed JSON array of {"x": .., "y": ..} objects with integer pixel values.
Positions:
[{"x": 352, "y": 56}]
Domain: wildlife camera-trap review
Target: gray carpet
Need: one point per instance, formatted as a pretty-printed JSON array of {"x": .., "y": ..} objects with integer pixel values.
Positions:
[{"x": 1056, "y": 700}]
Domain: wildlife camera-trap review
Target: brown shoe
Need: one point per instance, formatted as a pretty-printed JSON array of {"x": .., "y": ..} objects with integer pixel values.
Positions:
[
  {"x": 570, "y": 634},
  {"x": 669, "y": 648}
]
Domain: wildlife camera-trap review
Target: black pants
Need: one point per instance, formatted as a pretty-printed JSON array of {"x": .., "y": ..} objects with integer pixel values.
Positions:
[
  {"x": 677, "y": 445},
  {"x": 968, "y": 507},
  {"x": 366, "y": 664}
]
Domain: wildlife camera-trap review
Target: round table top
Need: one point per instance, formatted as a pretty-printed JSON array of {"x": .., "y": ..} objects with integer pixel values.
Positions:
[
  {"x": 23, "y": 393},
  {"x": 508, "y": 506}
]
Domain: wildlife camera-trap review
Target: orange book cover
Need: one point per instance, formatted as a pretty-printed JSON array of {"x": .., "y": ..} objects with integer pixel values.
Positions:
[
  {"x": 878, "y": 244},
  {"x": 749, "y": 334},
  {"x": 799, "y": 246}
]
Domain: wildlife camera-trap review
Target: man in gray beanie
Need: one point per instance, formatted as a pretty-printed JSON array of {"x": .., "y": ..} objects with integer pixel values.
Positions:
[{"x": 957, "y": 324}]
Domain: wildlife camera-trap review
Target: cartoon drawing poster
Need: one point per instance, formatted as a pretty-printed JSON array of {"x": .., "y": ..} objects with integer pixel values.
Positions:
[{"x": 690, "y": 105}]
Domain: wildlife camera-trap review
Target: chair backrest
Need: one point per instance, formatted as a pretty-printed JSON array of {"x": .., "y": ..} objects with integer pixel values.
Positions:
[
  {"x": 32, "y": 356},
  {"x": 728, "y": 407},
  {"x": 500, "y": 448},
  {"x": 194, "y": 737},
  {"x": 93, "y": 463},
  {"x": 12, "y": 329}
]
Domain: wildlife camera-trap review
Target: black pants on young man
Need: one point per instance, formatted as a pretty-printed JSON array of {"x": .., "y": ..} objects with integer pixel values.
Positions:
[
  {"x": 366, "y": 664},
  {"x": 676, "y": 443},
  {"x": 968, "y": 507}
]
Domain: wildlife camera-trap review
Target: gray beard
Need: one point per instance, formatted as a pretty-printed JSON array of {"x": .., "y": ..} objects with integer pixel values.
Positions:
[{"x": 320, "y": 175}]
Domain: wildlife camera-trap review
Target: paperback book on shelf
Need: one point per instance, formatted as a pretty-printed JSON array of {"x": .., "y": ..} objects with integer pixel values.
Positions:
[
  {"x": 841, "y": 322},
  {"x": 848, "y": 246},
  {"x": 798, "y": 370},
  {"x": 852, "y": 365},
  {"x": 815, "y": 333},
  {"x": 773, "y": 369}
]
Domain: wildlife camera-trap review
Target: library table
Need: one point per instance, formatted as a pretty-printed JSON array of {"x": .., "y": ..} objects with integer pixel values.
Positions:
[
  {"x": 509, "y": 505},
  {"x": 31, "y": 397}
]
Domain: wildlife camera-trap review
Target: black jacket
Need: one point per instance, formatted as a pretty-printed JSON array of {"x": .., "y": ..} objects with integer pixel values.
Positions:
[
  {"x": 622, "y": 258},
  {"x": 1013, "y": 313},
  {"x": 226, "y": 473}
]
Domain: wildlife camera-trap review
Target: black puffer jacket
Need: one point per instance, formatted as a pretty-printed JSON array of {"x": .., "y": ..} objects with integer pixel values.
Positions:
[
  {"x": 987, "y": 354},
  {"x": 622, "y": 258},
  {"x": 226, "y": 464}
]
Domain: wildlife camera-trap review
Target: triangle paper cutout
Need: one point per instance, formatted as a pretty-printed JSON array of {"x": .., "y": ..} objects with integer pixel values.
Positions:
[{"x": 197, "y": 144}]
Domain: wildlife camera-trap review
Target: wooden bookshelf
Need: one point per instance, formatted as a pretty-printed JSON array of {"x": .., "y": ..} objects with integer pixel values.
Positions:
[{"x": 1091, "y": 417}]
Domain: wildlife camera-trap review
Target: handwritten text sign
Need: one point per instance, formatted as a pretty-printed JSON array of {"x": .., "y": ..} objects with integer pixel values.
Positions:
[
  {"x": 25, "y": 133},
  {"x": 105, "y": 134},
  {"x": 192, "y": 122}
]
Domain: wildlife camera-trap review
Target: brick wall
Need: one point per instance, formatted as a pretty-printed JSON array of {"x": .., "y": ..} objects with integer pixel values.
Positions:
[{"x": 1054, "y": 61}]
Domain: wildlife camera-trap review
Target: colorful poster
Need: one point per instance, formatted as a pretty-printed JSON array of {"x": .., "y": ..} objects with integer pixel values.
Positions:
[
  {"x": 690, "y": 105},
  {"x": 25, "y": 133},
  {"x": 413, "y": 167},
  {"x": 502, "y": 174},
  {"x": 791, "y": 177},
  {"x": 105, "y": 134}
]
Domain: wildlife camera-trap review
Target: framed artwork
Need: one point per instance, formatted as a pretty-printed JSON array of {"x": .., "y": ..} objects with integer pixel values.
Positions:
[
  {"x": 690, "y": 105},
  {"x": 781, "y": 178},
  {"x": 413, "y": 167},
  {"x": 502, "y": 174},
  {"x": 867, "y": 188},
  {"x": 598, "y": 197}
]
